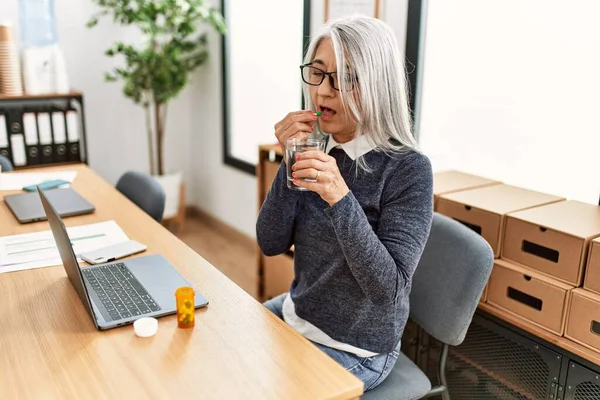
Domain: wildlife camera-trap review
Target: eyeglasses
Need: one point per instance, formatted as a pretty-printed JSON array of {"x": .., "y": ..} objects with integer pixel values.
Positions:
[{"x": 315, "y": 76}]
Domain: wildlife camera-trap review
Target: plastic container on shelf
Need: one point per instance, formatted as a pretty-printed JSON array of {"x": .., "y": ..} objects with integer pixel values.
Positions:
[
  {"x": 44, "y": 67},
  {"x": 37, "y": 22}
]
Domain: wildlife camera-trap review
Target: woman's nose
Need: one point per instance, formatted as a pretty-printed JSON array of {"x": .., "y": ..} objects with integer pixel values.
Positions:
[{"x": 325, "y": 88}]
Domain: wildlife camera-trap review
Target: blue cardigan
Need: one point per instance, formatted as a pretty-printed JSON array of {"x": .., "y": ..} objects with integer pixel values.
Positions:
[{"x": 354, "y": 261}]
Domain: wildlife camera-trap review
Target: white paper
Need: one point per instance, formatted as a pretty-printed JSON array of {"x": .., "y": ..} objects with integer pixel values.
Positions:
[
  {"x": 344, "y": 8},
  {"x": 18, "y": 180},
  {"x": 37, "y": 250}
]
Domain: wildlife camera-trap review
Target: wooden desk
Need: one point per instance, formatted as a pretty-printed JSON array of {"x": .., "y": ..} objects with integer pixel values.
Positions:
[{"x": 49, "y": 347}]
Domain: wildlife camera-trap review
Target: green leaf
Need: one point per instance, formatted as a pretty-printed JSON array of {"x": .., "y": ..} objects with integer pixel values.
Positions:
[
  {"x": 92, "y": 22},
  {"x": 110, "y": 77},
  {"x": 218, "y": 21}
]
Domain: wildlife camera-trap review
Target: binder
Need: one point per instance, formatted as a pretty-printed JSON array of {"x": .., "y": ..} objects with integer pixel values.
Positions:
[
  {"x": 4, "y": 144},
  {"x": 17, "y": 143},
  {"x": 16, "y": 138},
  {"x": 59, "y": 134},
  {"x": 73, "y": 136},
  {"x": 34, "y": 132},
  {"x": 32, "y": 147},
  {"x": 46, "y": 140}
]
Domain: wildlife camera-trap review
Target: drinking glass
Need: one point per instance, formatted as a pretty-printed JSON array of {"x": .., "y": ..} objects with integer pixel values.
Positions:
[{"x": 294, "y": 146}]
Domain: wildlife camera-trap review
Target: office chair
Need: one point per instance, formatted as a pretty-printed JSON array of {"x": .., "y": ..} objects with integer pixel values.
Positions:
[
  {"x": 144, "y": 191},
  {"x": 447, "y": 285},
  {"x": 5, "y": 164}
]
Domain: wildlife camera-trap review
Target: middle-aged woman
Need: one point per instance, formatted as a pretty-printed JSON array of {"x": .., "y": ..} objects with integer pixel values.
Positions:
[{"x": 359, "y": 230}]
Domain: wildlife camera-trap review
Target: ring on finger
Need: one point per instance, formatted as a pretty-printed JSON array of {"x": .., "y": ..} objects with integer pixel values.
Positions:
[{"x": 317, "y": 177}]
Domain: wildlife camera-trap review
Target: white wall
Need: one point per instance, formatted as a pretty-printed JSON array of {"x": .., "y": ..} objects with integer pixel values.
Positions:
[
  {"x": 510, "y": 91},
  {"x": 115, "y": 126},
  {"x": 221, "y": 190}
]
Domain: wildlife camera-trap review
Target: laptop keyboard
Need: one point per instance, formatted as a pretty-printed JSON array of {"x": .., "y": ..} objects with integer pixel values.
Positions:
[{"x": 120, "y": 292}]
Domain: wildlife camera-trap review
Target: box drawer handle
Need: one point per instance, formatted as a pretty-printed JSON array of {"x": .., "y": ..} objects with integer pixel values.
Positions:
[
  {"x": 475, "y": 228},
  {"x": 540, "y": 251},
  {"x": 525, "y": 298},
  {"x": 595, "y": 328}
]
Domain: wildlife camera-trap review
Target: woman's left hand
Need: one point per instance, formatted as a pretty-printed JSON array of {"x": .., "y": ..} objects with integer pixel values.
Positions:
[{"x": 323, "y": 169}]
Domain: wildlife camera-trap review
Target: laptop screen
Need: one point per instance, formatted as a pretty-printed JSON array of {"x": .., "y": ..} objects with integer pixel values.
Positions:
[{"x": 67, "y": 254}]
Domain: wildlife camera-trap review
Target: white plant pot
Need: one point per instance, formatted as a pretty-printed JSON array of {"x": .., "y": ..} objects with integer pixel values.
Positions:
[{"x": 171, "y": 184}]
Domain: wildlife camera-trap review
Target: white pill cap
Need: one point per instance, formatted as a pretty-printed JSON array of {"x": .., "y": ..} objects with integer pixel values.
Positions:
[{"x": 145, "y": 327}]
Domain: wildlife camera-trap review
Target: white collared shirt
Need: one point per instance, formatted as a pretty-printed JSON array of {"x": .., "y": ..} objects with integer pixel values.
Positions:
[
  {"x": 359, "y": 146},
  {"x": 354, "y": 148}
]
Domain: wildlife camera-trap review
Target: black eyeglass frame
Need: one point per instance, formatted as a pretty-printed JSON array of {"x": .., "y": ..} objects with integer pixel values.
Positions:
[{"x": 325, "y": 73}]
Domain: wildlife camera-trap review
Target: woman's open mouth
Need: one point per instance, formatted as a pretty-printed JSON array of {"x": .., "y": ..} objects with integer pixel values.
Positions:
[{"x": 327, "y": 113}]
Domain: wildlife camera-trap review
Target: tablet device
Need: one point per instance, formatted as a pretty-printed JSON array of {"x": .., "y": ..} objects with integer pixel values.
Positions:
[{"x": 27, "y": 207}]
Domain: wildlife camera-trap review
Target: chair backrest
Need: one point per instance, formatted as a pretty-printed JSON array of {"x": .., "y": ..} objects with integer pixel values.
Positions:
[
  {"x": 449, "y": 280},
  {"x": 144, "y": 191},
  {"x": 5, "y": 164}
]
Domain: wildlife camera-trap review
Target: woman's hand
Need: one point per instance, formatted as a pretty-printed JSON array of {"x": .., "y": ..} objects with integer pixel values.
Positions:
[
  {"x": 326, "y": 176},
  {"x": 297, "y": 124}
]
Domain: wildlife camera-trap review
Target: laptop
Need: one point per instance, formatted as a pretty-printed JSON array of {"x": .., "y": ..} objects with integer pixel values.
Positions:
[
  {"x": 27, "y": 207},
  {"x": 118, "y": 293}
]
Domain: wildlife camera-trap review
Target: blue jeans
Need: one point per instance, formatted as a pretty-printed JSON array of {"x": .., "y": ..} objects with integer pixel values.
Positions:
[{"x": 371, "y": 370}]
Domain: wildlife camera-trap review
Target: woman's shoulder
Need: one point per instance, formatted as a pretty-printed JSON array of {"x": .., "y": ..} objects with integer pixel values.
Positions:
[{"x": 406, "y": 159}]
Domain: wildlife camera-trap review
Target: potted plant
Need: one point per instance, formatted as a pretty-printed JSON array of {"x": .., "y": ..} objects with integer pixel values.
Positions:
[{"x": 156, "y": 72}]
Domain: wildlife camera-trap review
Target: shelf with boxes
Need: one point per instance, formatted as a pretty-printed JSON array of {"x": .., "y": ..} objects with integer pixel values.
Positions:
[
  {"x": 38, "y": 130},
  {"x": 546, "y": 277}
]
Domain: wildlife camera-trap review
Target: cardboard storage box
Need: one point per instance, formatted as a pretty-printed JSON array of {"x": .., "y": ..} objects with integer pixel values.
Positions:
[
  {"x": 592, "y": 269},
  {"x": 454, "y": 181},
  {"x": 270, "y": 171},
  {"x": 583, "y": 320},
  {"x": 553, "y": 239},
  {"x": 484, "y": 209},
  {"x": 530, "y": 295},
  {"x": 278, "y": 275}
]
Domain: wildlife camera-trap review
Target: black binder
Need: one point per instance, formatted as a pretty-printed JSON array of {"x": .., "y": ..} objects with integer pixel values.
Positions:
[
  {"x": 59, "y": 135},
  {"x": 4, "y": 137},
  {"x": 44, "y": 122},
  {"x": 72, "y": 118},
  {"x": 42, "y": 131},
  {"x": 32, "y": 138},
  {"x": 16, "y": 138}
]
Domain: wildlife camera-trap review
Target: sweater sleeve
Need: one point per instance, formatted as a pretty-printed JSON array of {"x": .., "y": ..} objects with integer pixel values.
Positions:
[
  {"x": 383, "y": 262},
  {"x": 275, "y": 224}
]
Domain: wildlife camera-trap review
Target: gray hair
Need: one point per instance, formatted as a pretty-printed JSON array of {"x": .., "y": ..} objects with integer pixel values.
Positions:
[{"x": 367, "y": 46}]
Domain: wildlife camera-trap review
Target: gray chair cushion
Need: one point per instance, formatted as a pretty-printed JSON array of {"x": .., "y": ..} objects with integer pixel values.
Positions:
[
  {"x": 145, "y": 192},
  {"x": 405, "y": 382},
  {"x": 5, "y": 164},
  {"x": 447, "y": 285}
]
